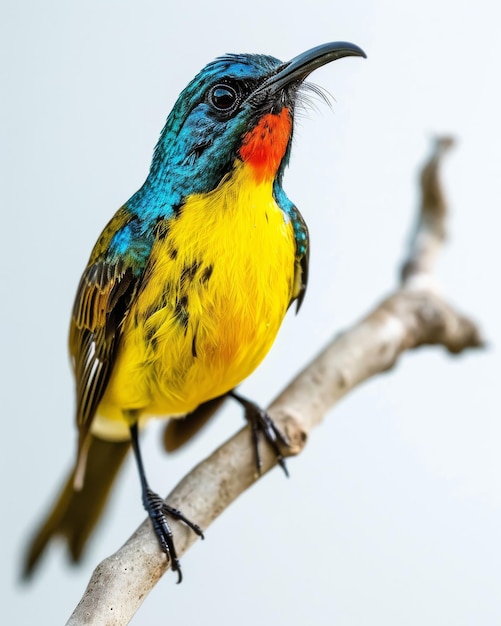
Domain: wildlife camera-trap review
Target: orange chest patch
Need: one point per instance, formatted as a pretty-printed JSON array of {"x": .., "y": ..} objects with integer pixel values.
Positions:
[{"x": 264, "y": 147}]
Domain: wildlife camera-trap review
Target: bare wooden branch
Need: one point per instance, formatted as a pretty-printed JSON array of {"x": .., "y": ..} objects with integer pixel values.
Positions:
[
  {"x": 430, "y": 231},
  {"x": 414, "y": 315}
]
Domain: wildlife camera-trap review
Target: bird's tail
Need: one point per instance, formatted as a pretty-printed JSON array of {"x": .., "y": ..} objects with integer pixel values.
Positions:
[{"x": 75, "y": 513}]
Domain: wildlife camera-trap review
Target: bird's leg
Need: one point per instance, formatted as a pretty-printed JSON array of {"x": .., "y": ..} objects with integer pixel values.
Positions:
[
  {"x": 158, "y": 510},
  {"x": 260, "y": 421}
]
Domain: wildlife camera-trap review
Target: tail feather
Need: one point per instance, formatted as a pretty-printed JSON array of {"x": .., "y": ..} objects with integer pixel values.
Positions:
[
  {"x": 179, "y": 431},
  {"x": 76, "y": 513}
]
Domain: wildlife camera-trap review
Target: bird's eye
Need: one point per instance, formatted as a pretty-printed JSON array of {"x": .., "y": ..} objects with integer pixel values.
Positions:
[{"x": 223, "y": 97}]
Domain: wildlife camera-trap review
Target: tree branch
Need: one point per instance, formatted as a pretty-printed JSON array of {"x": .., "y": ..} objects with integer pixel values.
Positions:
[{"x": 414, "y": 315}]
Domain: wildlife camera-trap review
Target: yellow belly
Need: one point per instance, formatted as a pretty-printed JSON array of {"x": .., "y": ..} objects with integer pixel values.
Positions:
[{"x": 219, "y": 285}]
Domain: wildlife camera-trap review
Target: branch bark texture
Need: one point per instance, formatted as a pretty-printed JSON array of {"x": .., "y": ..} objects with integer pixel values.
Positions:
[{"x": 414, "y": 315}]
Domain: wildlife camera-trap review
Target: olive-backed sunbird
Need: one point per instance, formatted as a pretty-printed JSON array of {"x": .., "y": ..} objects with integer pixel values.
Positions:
[{"x": 189, "y": 282}]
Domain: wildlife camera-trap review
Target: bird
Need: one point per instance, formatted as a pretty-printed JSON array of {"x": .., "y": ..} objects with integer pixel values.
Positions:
[{"x": 188, "y": 283}]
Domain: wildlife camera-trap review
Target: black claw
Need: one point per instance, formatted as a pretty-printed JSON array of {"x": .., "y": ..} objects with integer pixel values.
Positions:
[
  {"x": 158, "y": 512},
  {"x": 260, "y": 421},
  {"x": 176, "y": 514},
  {"x": 154, "y": 506}
]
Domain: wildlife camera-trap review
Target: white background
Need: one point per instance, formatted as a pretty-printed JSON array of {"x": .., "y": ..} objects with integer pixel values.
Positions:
[{"x": 393, "y": 513}]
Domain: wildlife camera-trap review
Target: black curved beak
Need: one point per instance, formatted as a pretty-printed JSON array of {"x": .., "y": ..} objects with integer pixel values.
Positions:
[{"x": 296, "y": 70}]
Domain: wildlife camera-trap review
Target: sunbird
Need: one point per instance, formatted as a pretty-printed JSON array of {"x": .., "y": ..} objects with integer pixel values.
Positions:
[{"x": 188, "y": 284}]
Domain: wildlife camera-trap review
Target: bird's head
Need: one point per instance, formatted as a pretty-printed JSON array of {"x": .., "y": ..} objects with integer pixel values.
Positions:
[{"x": 238, "y": 108}]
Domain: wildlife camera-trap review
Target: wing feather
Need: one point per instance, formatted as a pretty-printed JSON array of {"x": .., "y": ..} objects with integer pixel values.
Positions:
[{"x": 103, "y": 300}]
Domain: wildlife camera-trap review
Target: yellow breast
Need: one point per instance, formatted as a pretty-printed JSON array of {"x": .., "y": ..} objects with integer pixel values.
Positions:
[{"x": 218, "y": 286}]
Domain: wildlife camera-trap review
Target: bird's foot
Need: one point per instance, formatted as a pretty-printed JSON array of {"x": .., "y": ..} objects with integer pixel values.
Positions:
[
  {"x": 260, "y": 421},
  {"x": 158, "y": 511}
]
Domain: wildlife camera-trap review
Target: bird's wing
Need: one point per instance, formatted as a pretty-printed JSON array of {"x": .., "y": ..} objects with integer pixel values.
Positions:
[
  {"x": 300, "y": 279},
  {"x": 102, "y": 302},
  {"x": 104, "y": 297},
  {"x": 301, "y": 240},
  {"x": 302, "y": 257}
]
